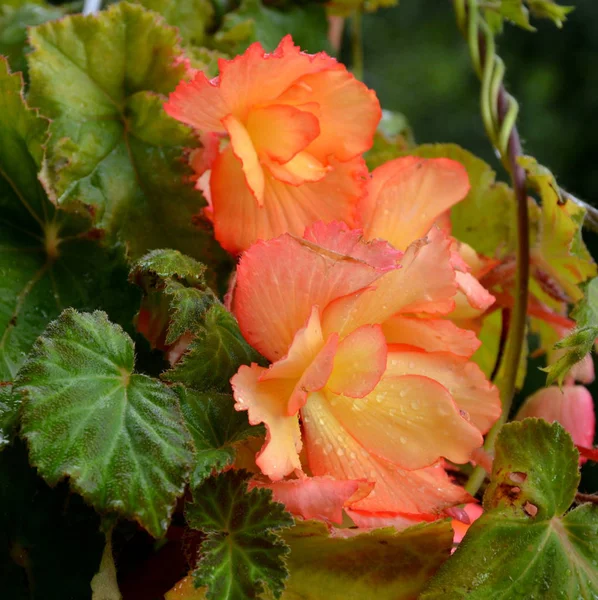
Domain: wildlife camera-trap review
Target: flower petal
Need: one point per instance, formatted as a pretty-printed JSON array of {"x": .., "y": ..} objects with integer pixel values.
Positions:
[
  {"x": 572, "y": 407},
  {"x": 406, "y": 195},
  {"x": 411, "y": 421},
  {"x": 466, "y": 382},
  {"x": 280, "y": 132},
  {"x": 266, "y": 402},
  {"x": 317, "y": 497},
  {"x": 302, "y": 168},
  {"x": 374, "y": 520},
  {"x": 255, "y": 77},
  {"x": 349, "y": 242},
  {"x": 281, "y": 280},
  {"x": 432, "y": 335},
  {"x": 309, "y": 362},
  {"x": 244, "y": 150},
  {"x": 425, "y": 282},
  {"x": 199, "y": 103},
  {"x": 348, "y": 112},
  {"x": 239, "y": 221},
  {"x": 359, "y": 363},
  {"x": 332, "y": 451}
]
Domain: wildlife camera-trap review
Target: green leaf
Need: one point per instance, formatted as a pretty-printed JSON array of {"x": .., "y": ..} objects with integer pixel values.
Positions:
[
  {"x": 176, "y": 297},
  {"x": 523, "y": 547},
  {"x": 216, "y": 427},
  {"x": 9, "y": 404},
  {"x": 102, "y": 79},
  {"x": 49, "y": 259},
  {"x": 215, "y": 354},
  {"x": 242, "y": 553},
  {"x": 15, "y": 18},
  {"x": 384, "y": 564},
  {"x": 489, "y": 232},
  {"x": 345, "y": 8},
  {"x": 579, "y": 343},
  {"x": 253, "y": 21},
  {"x": 549, "y": 9},
  {"x": 191, "y": 17},
  {"x": 393, "y": 138},
  {"x": 560, "y": 251},
  {"x": 546, "y": 457},
  {"x": 119, "y": 436},
  {"x": 50, "y": 543}
]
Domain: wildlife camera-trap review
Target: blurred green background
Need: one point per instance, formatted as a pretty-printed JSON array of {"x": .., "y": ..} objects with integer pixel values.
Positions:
[{"x": 419, "y": 65}]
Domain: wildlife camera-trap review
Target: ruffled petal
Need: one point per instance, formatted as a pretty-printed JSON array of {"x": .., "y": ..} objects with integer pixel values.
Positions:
[
  {"x": 406, "y": 195},
  {"x": 199, "y": 103},
  {"x": 375, "y": 520},
  {"x": 266, "y": 402},
  {"x": 359, "y": 363},
  {"x": 302, "y": 168},
  {"x": 348, "y": 112},
  {"x": 309, "y": 362},
  {"x": 572, "y": 407},
  {"x": 411, "y": 421},
  {"x": 280, "y": 132},
  {"x": 432, "y": 335},
  {"x": 332, "y": 451},
  {"x": 239, "y": 221},
  {"x": 320, "y": 498},
  {"x": 425, "y": 282},
  {"x": 272, "y": 300},
  {"x": 339, "y": 238},
  {"x": 244, "y": 151},
  {"x": 257, "y": 78},
  {"x": 465, "y": 381}
]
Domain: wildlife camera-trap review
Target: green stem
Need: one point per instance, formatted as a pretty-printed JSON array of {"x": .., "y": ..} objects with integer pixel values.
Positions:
[
  {"x": 357, "y": 43},
  {"x": 499, "y": 113}
]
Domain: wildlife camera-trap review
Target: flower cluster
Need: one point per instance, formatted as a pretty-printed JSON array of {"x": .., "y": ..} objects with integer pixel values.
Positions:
[{"x": 350, "y": 285}]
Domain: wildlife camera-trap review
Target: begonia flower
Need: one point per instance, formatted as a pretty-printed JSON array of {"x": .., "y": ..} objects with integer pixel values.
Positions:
[
  {"x": 283, "y": 135},
  {"x": 369, "y": 400},
  {"x": 405, "y": 198},
  {"x": 572, "y": 407}
]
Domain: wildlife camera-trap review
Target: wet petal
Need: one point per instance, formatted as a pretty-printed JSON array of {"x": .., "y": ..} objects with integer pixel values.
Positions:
[
  {"x": 430, "y": 334},
  {"x": 272, "y": 301},
  {"x": 318, "y": 497},
  {"x": 411, "y": 421},
  {"x": 359, "y": 363},
  {"x": 332, "y": 451},
  {"x": 406, "y": 195},
  {"x": 465, "y": 381},
  {"x": 266, "y": 402}
]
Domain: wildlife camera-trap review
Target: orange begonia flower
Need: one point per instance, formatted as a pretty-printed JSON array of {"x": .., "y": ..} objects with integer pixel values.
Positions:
[
  {"x": 291, "y": 128},
  {"x": 369, "y": 401},
  {"x": 405, "y": 198}
]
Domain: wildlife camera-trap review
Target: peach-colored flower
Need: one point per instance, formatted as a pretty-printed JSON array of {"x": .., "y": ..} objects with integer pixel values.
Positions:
[
  {"x": 291, "y": 128},
  {"x": 369, "y": 401},
  {"x": 405, "y": 198}
]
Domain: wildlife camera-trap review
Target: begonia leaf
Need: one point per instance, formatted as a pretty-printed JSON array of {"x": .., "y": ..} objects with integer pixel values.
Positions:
[
  {"x": 191, "y": 17},
  {"x": 215, "y": 427},
  {"x": 386, "y": 564},
  {"x": 488, "y": 231},
  {"x": 242, "y": 553},
  {"x": 559, "y": 250},
  {"x": 253, "y": 21},
  {"x": 50, "y": 542},
  {"x": 9, "y": 404},
  {"x": 523, "y": 546},
  {"x": 102, "y": 79},
  {"x": 215, "y": 354},
  {"x": 118, "y": 436},
  {"x": 581, "y": 341},
  {"x": 50, "y": 259},
  {"x": 15, "y": 18}
]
